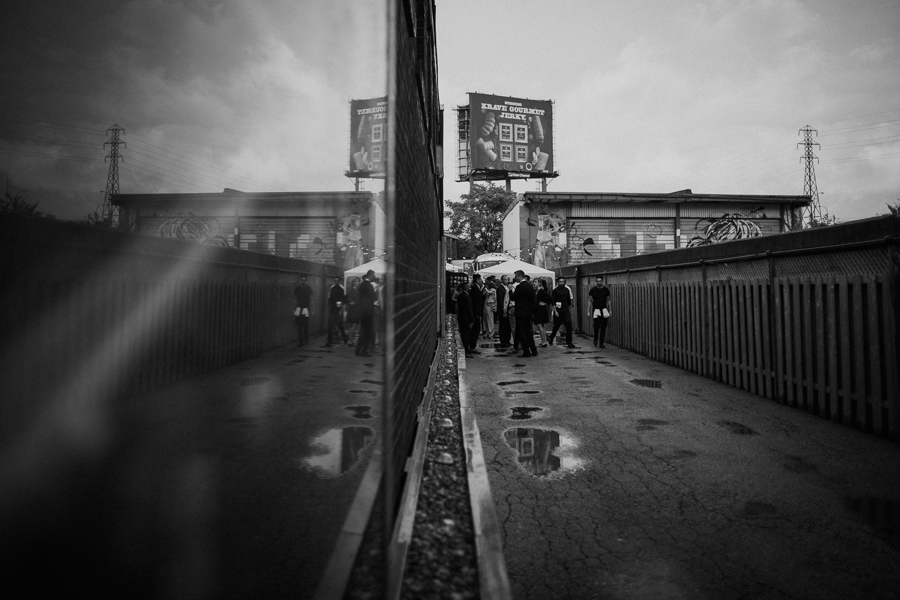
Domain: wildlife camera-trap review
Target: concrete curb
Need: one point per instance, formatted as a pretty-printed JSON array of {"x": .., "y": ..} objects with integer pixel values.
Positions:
[
  {"x": 340, "y": 565},
  {"x": 493, "y": 579}
]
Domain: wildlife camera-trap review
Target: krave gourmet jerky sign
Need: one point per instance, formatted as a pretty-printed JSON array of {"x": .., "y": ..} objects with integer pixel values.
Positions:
[{"x": 511, "y": 134}]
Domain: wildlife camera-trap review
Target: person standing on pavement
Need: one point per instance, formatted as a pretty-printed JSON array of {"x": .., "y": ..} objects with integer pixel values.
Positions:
[
  {"x": 599, "y": 296},
  {"x": 465, "y": 319},
  {"x": 503, "y": 311},
  {"x": 562, "y": 299},
  {"x": 490, "y": 307},
  {"x": 367, "y": 297},
  {"x": 542, "y": 310},
  {"x": 336, "y": 299},
  {"x": 353, "y": 310},
  {"x": 303, "y": 295},
  {"x": 476, "y": 292},
  {"x": 523, "y": 296}
]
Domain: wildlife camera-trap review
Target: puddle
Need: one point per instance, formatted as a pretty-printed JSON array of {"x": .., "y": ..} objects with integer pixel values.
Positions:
[
  {"x": 520, "y": 413},
  {"x": 543, "y": 452},
  {"x": 883, "y": 514},
  {"x": 650, "y": 383},
  {"x": 360, "y": 412},
  {"x": 798, "y": 464},
  {"x": 737, "y": 428},
  {"x": 511, "y": 393},
  {"x": 363, "y": 391},
  {"x": 372, "y": 381},
  {"x": 516, "y": 382},
  {"x": 337, "y": 450},
  {"x": 649, "y": 424}
]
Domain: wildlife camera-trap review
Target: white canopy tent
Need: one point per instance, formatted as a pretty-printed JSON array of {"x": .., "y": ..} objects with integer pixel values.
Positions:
[
  {"x": 511, "y": 266},
  {"x": 378, "y": 265}
]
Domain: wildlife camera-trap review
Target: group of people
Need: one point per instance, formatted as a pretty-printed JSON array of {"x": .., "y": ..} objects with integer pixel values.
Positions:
[
  {"x": 507, "y": 311},
  {"x": 360, "y": 307}
]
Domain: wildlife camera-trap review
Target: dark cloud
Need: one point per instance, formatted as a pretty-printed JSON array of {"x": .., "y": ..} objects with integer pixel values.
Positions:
[{"x": 211, "y": 94}]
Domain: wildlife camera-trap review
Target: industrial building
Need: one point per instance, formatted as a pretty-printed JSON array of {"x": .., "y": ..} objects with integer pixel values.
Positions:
[
  {"x": 556, "y": 229},
  {"x": 338, "y": 228}
]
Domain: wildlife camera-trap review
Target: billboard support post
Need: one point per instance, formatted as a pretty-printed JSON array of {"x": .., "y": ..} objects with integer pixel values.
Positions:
[
  {"x": 508, "y": 184},
  {"x": 543, "y": 184}
]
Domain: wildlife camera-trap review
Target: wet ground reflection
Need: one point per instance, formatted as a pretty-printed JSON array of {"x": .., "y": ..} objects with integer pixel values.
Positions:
[
  {"x": 519, "y": 413},
  {"x": 337, "y": 450},
  {"x": 543, "y": 452}
]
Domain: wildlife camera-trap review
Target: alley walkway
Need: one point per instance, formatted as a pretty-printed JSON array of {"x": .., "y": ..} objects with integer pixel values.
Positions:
[
  {"x": 618, "y": 477},
  {"x": 233, "y": 484}
]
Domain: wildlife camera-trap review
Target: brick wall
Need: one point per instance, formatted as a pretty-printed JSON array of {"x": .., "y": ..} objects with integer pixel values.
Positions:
[{"x": 414, "y": 232}]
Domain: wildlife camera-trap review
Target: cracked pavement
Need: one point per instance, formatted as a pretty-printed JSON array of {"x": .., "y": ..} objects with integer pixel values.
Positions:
[{"x": 693, "y": 489}]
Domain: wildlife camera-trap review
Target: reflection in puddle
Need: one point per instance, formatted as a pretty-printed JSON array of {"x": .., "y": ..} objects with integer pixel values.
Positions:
[
  {"x": 360, "y": 412},
  {"x": 542, "y": 452},
  {"x": 650, "y": 383},
  {"x": 520, "y": 413},
  {"x": 337, "y": 450}
]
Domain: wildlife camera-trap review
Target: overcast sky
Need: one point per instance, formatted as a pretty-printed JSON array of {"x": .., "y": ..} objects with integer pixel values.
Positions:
[
  {"x": 248, "y": 95},
  {"x": 649, "y": 96},
  {"x": 658, "y": 96}
]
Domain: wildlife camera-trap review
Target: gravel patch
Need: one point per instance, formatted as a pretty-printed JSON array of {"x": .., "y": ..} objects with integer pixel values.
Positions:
[{"x": 441, "y": 561}]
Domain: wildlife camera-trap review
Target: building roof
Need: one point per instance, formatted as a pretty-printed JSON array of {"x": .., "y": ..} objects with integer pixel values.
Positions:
[{"x": 679, "y": 197}]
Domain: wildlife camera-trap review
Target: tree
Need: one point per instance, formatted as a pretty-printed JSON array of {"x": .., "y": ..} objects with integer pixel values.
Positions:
[
  {"x": 476, "y": 219},
  {"x": 894, "y": 209},
  {"x": 18, "y": 204}
]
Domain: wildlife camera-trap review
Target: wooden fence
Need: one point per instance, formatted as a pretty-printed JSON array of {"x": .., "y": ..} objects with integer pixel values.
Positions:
[
  {"x": 810, "y": 332},
  {"x": 99, "y": 315}
]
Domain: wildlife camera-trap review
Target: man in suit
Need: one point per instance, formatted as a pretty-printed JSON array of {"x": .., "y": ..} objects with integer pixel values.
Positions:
[
  {"x": 465, "y": 319},
  {"x": 503, "y": 311},
  {"x": 523, "y": 296},
  {"x": 336, "y": 299},
  {"x": 367, "y": 297}
]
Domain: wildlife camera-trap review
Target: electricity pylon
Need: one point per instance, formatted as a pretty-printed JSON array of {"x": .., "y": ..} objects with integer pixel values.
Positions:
[
  {"x": 110, "y": 213},
  {"x": 814, "y": 214}
]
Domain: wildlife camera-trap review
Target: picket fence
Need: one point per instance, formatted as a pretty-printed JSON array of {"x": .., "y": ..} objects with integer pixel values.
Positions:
[{"x": 825, "y": 342}]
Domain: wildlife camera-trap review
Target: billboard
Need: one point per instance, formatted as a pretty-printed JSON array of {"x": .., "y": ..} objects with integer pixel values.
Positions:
[
  {"x": 368, "y": 137},
  {"x": 511, "y": 135}
]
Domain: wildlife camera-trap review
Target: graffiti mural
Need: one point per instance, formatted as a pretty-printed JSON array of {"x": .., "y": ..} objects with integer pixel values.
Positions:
[
  {"x": 349, "y": 239},
  {"x": 550, "y": 240}
]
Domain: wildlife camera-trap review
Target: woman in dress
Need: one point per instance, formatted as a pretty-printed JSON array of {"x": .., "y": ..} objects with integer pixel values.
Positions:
[
  {"x": 542, "y": 310},
  {"x": 490, "y": 307}
]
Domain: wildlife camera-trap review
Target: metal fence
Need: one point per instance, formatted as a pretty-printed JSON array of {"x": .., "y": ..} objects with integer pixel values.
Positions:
[{"x": 808, "y": 319}]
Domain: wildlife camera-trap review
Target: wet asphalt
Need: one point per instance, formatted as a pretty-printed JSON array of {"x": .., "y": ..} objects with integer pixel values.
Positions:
[
  {"x": 236, "y": 483},
  {"x": 614, "y": 476}
]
